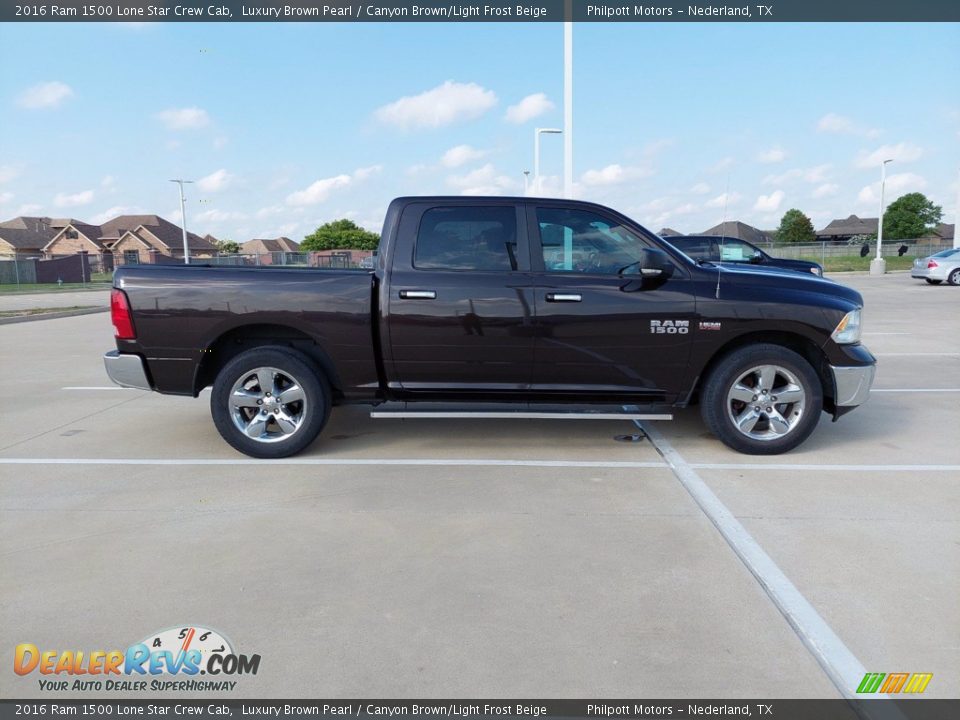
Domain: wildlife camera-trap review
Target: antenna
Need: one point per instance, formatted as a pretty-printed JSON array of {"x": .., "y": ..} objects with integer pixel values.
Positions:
[{"x": 726, "y": 198}]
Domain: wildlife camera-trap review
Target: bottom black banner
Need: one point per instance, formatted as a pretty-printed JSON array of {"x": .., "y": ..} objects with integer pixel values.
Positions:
[{"x": 913, "y": 709}]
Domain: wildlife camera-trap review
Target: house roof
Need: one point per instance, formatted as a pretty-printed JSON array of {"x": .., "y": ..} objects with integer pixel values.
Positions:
[
  {"x": 740, "y": 230},
  {"x": 667, "y": 232},
  {"x": 28, "y": 232},
  {"x": 850, "y": 226},
  {"x": 280, "y": 244},
  {"x": 21, "y": 239},
  {"x": 945, "y": 230}
]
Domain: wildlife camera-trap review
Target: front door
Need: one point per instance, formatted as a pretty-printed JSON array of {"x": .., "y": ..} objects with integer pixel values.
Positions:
[
  {"x": 460, "y": 312},
  {"x": 601, "y": 329}
]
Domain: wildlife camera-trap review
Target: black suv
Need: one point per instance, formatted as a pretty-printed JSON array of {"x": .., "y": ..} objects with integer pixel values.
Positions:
[{"x": 715, "y": 248}]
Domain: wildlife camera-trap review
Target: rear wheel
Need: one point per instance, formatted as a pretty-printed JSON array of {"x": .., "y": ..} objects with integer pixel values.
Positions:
[
  {"x": 762, "y": 400},
  {"x": 933, "y": 282},
  {"x": 954, "y": 277},
  {"x": 270, "y": 402}
]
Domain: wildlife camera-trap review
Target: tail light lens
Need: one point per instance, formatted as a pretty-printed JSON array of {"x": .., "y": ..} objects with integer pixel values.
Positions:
[
  {"x": 932, "y": 264},
  {"x": 120, "y": 315}
]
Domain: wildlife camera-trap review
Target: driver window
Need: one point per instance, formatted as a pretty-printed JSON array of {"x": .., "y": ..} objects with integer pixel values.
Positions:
[{"x": 582, "y": 241}]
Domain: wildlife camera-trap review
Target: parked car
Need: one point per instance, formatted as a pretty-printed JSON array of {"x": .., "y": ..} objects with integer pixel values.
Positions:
[
  {"x": 496, "y": 307},
  {"x": 944, "y": 265},
  {"x": 368, "y": 262},
  {"x": 715, "y": 248}
]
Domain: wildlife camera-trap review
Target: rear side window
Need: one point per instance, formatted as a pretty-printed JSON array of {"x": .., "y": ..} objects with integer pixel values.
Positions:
[{"x": 467, "y": 238}]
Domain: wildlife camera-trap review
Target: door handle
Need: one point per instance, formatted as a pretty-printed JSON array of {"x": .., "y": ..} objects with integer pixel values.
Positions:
[
  {"x": 564, "y": 297},
  {"x": 418, "y": 295}
]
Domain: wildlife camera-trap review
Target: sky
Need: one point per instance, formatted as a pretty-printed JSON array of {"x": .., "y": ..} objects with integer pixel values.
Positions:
[{"x": 285, "y": 126}]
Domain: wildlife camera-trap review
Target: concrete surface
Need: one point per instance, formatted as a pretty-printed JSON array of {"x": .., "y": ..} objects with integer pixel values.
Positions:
[
  {"x": 54, "y": 299},
  {"x": 452, "y": 559}
]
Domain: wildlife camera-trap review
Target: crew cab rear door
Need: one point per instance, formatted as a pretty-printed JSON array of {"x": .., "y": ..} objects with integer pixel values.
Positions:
[
  {"x": 460, "y": 313},
  {"x": 602, "y": 331}
]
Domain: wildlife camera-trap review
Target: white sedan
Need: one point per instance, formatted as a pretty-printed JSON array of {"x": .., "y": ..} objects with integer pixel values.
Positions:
[{"x": 945, "y": 265}]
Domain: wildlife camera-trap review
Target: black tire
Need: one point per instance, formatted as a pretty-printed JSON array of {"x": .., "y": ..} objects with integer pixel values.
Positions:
[
  {"x": 933, "y": 282},
  {"x": 779, "y": 431},
  {"x": 954, "y": 277},
  {"x": 281, "y": 429}
]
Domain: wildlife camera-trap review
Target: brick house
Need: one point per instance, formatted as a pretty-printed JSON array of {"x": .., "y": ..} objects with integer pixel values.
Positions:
[
  {"x": 262, "y": 245},
  {"x": 741, "y": 231},
  {"x": 26, "y": 235},
  {"x": 128, "y": 239},
  {"x": 844, "y": 230}
]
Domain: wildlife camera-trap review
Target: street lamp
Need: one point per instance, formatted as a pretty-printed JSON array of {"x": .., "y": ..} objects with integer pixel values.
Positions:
[
  {"x": 568, "y": 104},
  {"x": 956, "y": 219},
  {"x": 536, "y": 153},
  {"x": 878, "y": 266},
  {"x": 183, "y": 220},
  {"x": 526, "y": 182}
]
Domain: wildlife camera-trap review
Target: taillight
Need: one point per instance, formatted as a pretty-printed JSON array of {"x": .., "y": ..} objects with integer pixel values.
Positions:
[
  {"x": 120, "y": 315},
  {"x": 931, "y": 264}
]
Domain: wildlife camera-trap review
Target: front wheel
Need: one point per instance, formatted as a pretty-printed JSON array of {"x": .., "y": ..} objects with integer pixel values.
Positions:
[
  {"x": 762, "y": 400},
  {"x": 270, "y": 402}
]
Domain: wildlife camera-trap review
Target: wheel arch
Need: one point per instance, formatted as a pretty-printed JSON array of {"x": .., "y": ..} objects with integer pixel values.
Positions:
[
  {"x": 801, "y": 345},
  {"x": 239, "y": 339}
]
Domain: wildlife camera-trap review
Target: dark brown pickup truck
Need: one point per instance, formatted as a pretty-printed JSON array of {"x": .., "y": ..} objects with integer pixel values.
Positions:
[{"x": 497, "y": 307}]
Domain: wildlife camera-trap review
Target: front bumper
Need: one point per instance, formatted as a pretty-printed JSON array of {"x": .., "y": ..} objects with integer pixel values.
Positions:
[
  {"x": 126, "y": 370},
  {"x": 852, "y": 384}
]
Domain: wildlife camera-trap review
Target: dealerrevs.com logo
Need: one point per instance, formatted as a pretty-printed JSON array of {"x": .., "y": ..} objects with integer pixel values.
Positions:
[{"x": 171, "y": 659}]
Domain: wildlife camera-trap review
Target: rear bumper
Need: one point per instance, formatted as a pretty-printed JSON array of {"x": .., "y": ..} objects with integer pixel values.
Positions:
[
  {"x": 852, "y": 384},
  {"x": 126, "y": 370}
]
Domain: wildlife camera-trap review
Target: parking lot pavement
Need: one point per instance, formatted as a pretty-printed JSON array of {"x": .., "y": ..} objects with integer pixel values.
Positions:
[
  {"x": 521, "y": 558},
  {"x": 56, "y": 299}
]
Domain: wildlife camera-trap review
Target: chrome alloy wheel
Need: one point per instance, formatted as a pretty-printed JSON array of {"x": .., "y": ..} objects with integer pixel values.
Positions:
[
  {"x": 766, "y": 402},
  {"x": 267, "y": 404}
]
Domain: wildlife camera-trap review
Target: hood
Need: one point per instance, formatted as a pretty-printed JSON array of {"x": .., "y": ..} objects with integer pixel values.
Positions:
[{"x": 787, "y": 282}]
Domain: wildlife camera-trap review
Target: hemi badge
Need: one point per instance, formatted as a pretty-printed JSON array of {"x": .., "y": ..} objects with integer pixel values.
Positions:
[{"x": 709, "y": 325}]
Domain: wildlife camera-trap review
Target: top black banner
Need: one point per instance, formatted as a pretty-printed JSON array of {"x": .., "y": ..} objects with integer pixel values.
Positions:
[{"x": 489, "y": 11}]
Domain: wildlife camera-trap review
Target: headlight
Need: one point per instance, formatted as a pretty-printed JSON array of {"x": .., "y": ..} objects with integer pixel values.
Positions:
[{"x": 848, "y": 330}]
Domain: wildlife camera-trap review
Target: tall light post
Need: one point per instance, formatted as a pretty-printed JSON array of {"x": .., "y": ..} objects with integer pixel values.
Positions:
[
  {"x": 568, "y": 104},
  {"x": 536, "y": 153},
  {"x": 956, "y": 216},
  {"x": 878, "y": 266},
  {"x": 526, "y": 182},
  {"x": 183, "y": 220}
]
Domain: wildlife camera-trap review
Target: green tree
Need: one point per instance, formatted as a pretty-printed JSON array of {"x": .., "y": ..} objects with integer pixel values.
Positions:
[
  {"x": 795, "y": 227},
  {"x": 228, "y": 247},
  {"x": 910, "y": 216},
  {"x": 340, "y": 235}
]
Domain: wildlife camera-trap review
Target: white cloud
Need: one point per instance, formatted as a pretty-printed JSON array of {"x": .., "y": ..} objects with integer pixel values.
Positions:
[
  {"x": 773, "y": 155},
  {"x": 111, "y": 213},
  {"x": 613, "y": 175},
  {"x": 527, "y": 109},
  {"x": 815, "y": 174},
  {"x": 73, "y": 200},
  {"x": 720, "y": 165},
  {"x": 215, "y": 181},
  {"x": 482, "y": 181},
  {"x": 825, "y": 190},
  {"x": 45, "y": 95},
  {"x": 700, "y": 189},
  {"x": 270, "y": 211},
  {"x": 28, "y": 209},
  {"x": 842, "y": 125},
  {"x": 901, "y": 152},
  {"x": 461, "y": 155},
  {"x": 769, "y": 203},
  {"x": 320, "y": 190},
  {"x": 214, "y": 216},
  {"x": 443, "y": 105},
  {"x": 184, "y": 118},
  {"x": 896, "y": 185},
  {"x": 5, "y": 197},
  {"x": 724, "y": 200},
  {"x": 8, "y": 173}
]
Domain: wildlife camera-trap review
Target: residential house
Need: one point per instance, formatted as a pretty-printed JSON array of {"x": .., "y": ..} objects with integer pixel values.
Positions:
[
  {"x": 128, "y": 239},
  {"x": 741, "y": 231},
  {"x": 280, "y": 244},
  {"x": 667, "y": 232},
  {"x": 28, "y": 235},
  {"x": 844, "y": 230}
]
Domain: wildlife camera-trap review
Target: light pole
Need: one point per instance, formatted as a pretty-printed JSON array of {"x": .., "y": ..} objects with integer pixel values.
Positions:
[
  {"x": 183, "y": 220},
  {"x": 956, "y": 216},
  {"x": 878, "y": 266},
  {"x": 568, "y": 105},
  {"x": 536, "y": 153},
  {"x": 526, "y": 182}
]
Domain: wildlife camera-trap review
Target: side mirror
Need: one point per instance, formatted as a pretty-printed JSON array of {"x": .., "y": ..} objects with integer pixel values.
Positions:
[{"x": 655, "y": 263}]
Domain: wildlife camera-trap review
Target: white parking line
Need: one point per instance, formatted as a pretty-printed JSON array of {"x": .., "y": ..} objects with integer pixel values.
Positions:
[
  {"x": 917, "y": 354},
  {"x": 915, "y": 390},
  {"x": 840, "y": 665},
  {"x": 97, "y": 387}
]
